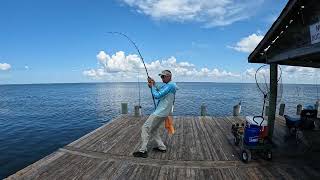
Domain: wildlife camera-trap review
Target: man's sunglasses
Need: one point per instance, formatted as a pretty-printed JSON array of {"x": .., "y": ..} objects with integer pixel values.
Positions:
[{"x": 162, "y": 76}]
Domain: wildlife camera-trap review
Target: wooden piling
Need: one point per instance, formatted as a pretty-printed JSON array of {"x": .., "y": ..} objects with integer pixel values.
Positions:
[
  {"x": 124, "y": 108},
  {"x": 203, "y": 111},
  {"x": 137, "y": 111},
  {"x": 236, "y": 110},
  {"x": 281, "y": 109},
  {"x": 299, "y": 109}
]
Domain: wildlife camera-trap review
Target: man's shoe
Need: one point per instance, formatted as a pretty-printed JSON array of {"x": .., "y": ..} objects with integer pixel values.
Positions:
[
  {"x": 140, "y": 154},
  {"x": 159, "y": 150}
]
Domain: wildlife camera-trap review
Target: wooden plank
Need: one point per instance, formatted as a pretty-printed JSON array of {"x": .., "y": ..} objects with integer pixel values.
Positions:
[
  {"x": 111, "y": 133},
  {"x": 195, "y": 150},
  {"x": 221, "y": 144},
  {"x": 172, "y": 153},
  {"x": 73, "y": 169},
  {"x": 235, "y": 173},
  {"x": 110, "y": 169},
  {"x": 124, "y": 144},
  {"x": 98, "y": 133},
  {"x": 226, "y": 138},
  {"x": 185, "y": 147},
  {"x": 152, "y": 172},
  {"x": 265, "y": 173},
  {"x": 108, "y": 140},
  {"x": 204, "y": 139},
  {"x": 39, "y": 166},
  {"x": 181, "y": 173},
  {"x": 167, "y": 139},
  {"x": 95, "y": 172},
  {"x": 201, "y": 149},
  {"x": 213, "y": 139},
  {"x": 136, "y": 173},
  {"x": 200, "y": 141}
]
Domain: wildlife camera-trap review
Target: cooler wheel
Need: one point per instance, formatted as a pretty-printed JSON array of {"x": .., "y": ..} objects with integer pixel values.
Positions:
[{"x": 246, "y": 156}]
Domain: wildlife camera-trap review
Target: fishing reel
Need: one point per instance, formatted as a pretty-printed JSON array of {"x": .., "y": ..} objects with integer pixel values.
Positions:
[{"x": 237, "y": 130}]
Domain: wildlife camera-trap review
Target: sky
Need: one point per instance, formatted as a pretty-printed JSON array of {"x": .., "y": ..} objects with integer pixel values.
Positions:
[{"x": 62, "y": 41}]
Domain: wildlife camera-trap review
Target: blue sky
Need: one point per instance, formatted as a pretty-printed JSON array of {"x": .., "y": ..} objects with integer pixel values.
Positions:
[{"x": 67, "y": 41}]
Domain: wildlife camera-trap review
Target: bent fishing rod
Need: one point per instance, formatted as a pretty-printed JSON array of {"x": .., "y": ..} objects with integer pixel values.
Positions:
[{"x": 136, "y": 47}]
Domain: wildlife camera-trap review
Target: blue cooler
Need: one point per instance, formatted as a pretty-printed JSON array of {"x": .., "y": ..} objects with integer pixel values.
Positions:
[
  {"x": 251, "y": 135},
  {"x": 253, "y": 129}
]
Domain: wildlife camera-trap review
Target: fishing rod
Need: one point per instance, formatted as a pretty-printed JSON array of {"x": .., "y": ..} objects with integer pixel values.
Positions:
[{"x": 145, "y": 67}]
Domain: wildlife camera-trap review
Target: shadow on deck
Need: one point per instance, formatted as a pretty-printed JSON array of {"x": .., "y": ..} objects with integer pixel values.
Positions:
[{"x": 201, "y": 148}]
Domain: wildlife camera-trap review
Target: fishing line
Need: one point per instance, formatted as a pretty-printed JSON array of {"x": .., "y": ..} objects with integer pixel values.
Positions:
[
  {"x": 139, "y": 88},
  {"x": 145, "y": 67}
]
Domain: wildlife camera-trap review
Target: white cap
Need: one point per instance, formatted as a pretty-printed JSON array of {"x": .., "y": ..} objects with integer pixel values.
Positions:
[{"x": 165, "y": 73}]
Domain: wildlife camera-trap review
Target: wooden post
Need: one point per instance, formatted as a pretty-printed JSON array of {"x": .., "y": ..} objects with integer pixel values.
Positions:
[
  {"x": 137, "y": 111},
  {"x": 124, "y": 108},
  {"x": 281, "y": 109},
  {"x": 299, "y": 109},
  {"x": 203, "y": 111},
  {"x": 237, "y": 110},
  {"x": 273, "y": 98}
]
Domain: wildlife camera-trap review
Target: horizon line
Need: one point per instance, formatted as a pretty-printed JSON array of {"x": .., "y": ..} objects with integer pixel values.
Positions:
[{"x": 144, "y": 82}]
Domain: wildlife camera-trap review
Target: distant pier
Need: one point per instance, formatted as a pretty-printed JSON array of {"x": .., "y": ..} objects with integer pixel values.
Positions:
[{"x": 201, "y": 148}]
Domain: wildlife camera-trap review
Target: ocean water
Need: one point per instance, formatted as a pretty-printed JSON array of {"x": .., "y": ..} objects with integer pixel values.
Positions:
[{"x": 36, "y": 120}]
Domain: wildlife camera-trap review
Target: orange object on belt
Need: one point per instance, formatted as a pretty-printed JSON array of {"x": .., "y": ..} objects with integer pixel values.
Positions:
[{"x": 169, "y": 125}]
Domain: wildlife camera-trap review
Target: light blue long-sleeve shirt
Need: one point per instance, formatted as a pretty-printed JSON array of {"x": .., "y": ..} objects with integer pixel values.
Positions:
[{"x": 166, "y": 95}]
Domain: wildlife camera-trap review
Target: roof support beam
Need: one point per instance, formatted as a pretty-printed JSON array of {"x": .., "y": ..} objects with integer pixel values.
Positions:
[{"x": 295, "y": 53}]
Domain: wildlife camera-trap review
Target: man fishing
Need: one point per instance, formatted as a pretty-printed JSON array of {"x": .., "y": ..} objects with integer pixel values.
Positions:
[{"x": 150, "y": 129}]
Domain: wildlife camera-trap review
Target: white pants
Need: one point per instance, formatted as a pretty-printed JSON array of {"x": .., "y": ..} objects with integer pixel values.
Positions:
[{"x": 150, "y": 131}]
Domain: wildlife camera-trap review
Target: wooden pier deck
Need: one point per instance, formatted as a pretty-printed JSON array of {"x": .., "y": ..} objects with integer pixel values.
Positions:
[{"x": 201, "y": 148}]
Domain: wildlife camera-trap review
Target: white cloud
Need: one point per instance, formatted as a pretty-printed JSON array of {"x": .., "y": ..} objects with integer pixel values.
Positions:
[
  {"x": 250, "y": 72},
  {"x": 263, "y": 75},
  {"x": 300, "y": 75},
  {"x": 120, "y": 67},
  {"x": 210, "y": 12},
  {"x": 5, "y": 66},
  {"x": 95, "y": 73},
  {"x": 247, "y": 44},
  {"x": 103, "y": 57},
  {"x": 289, "y": 74},
  {"x": 90, "y": 73},
  {"x": 302, "y": 70}
]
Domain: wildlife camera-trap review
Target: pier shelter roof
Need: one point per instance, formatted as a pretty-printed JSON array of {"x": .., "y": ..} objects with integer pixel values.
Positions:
[{"x": 294, "y": 38}]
